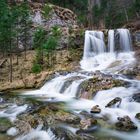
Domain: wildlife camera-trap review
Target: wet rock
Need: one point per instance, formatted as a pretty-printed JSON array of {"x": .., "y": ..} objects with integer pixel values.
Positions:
[
  {"x": 137, "y": 116},
  {"x": 31, "y": 121},
  {"x": 89, "y": 88},
  {"x": 88, "y": 130},
  {"x": 87, "y": 123},
  {"x": 136, "y": 97},
  {"x": 85, "y": 95},
  {"x": 116, "y": 101},
  {"x": 5, "y": 124},
  {"x": 67, "y": 117},
  {"x": 22, "y": 127},
  {"x": 95, "y": 109},
  {"x": 125, "y": 124},
  {"x": 66, "y": 134}
]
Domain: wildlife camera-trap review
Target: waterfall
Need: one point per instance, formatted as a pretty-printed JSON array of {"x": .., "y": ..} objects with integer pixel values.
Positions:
[
  {"x": 94, "y": 43},
  {"x": 125, "y": 40},
  {"x": 54, "y": 87},
  {"x": 98, "y": 57},
  {"x": 111, "y": 44}
]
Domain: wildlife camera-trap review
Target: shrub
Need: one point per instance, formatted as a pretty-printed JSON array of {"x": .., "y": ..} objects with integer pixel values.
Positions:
[{"x": 36, "y": 68}]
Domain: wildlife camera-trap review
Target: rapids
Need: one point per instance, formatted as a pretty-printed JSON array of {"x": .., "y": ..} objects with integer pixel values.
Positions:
[{"x": 96, "y": 56}]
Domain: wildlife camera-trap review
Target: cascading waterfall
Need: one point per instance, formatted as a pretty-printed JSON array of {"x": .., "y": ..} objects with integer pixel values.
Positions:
[
  {"x": 111, "y": 41},
  {"x": 98, "y": 57},
  {"x": 53, "y": 87},
  {"x": 94, "y": 43},
  {"x": 125, "y": 40}
]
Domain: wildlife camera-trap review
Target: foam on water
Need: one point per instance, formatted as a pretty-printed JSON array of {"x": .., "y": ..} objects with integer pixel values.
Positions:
[
  {"x": 12, "y": 111},
  {"x": 39, "y": 135}
]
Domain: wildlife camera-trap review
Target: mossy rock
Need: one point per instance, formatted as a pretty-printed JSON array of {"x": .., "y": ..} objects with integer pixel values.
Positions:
[
  {"x": 98, "y": 83},
  {"x": 5, "y": 124}
]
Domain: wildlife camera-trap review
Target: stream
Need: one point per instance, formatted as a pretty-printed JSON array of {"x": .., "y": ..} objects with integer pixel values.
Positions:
[{"x": 63, "y": 110}]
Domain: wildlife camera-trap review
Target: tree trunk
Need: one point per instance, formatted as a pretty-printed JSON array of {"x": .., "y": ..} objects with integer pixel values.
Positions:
[
  {"x": 90, "y": 13},
  {"x": 126, "y": 15},
  {"x": 11, "y": 65},
  {"x": 25, "y": 41}
]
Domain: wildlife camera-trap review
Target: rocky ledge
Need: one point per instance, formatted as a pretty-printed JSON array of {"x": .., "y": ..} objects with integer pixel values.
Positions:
[{"x": 98, "y": 82}]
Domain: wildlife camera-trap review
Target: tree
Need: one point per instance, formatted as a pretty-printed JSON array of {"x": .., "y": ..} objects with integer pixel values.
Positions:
[{"x": 6, "y": 25}]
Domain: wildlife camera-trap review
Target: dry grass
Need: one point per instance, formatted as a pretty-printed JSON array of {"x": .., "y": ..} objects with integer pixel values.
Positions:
[{"x": 22, "y": 73}]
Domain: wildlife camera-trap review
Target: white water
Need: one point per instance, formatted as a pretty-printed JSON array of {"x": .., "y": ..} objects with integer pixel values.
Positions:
[
  {"x": 111, "y": 41},
  {"x": 12, "y": 111},
  {"x": 52, "y": 88},
  {"x": 96, "y": 57},
  {"x": 125, "y": 40},
  {"x": 94, "y": 43},
  {"x": 38, "y": 135}
]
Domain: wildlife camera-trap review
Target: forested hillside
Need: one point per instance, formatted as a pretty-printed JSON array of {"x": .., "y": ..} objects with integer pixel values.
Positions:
[{"x": 103, "y": 13}]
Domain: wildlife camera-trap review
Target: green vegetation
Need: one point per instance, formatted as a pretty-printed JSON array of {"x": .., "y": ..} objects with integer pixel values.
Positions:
[
  {"x": 46, "y": 10},
  {"x": 10, "y": 32},
  {"x": 36, "y": 68},
  {"x": 46, "y": 44}
]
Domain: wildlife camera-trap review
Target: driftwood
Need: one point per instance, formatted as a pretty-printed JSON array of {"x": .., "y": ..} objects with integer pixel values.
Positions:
[{"x": 2, "y": 63}]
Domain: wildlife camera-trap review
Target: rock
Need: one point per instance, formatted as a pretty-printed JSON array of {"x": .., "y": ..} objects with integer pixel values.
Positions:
[
  {"x": 137, "y": 116},
  {"x": 95, "y": 109},
  {"x": 125, "y": 124},
  {"x": 22, "y": 127},
  {"x": 136, "y": 97},
  {"x": 87, "y": 123},
  {"x": 68, "y": 82},
  {"x": 137, "y": 39},
  {"x": 5, "y": 124},
  {"x": 116, "y": 101},
  {"x": 90, "y": 87},
  {"x": 67, "y": 117}
]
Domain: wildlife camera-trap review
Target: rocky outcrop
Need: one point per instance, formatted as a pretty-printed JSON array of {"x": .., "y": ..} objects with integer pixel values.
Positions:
[
  {"x": 125, "y": 124},
  {"x": 89, "y": 88}
]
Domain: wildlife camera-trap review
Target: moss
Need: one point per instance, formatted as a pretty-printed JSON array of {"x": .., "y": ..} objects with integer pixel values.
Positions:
[{"x": 5, "y": 124}]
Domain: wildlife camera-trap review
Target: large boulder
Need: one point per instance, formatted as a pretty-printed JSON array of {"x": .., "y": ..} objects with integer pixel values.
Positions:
[{"x": 90, "y": 87}]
